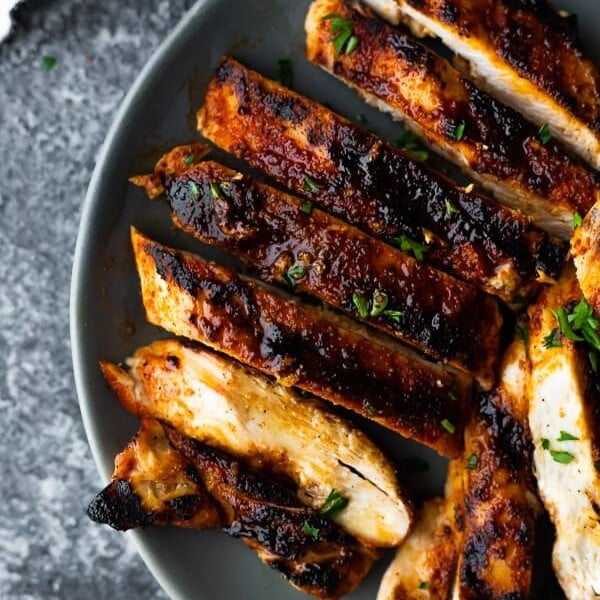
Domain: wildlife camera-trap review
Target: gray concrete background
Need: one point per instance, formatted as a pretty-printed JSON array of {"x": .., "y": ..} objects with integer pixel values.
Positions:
[{"x": 52, "y": 123}]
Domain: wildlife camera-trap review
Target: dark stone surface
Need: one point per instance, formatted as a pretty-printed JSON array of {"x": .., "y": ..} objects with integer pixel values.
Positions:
[{"x": 52, "y": 123}]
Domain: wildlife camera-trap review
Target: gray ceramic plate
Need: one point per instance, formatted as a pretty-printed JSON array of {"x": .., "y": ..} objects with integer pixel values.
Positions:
[{"x": 107, "y": 320}]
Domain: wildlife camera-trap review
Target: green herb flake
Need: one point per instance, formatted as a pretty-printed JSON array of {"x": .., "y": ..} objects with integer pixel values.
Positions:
[
  {"x": 459, "y": 131},
  {"x": 379, "y": 303},
  {"x": 552, "y": 340},
  {"x": 597, "y": 465},
  {"x": 565, "y": 437},
  {"x": 334, "y": 504},
  {"x": 564, "y": 458},
  {"x": 310, "y": 530},
  {"x": 472, "y": 462},
  {"x": 189, "y": 159},
  {"x": 361, "y": 304},
  {"x": 369, "y": 409},
  {"x": 310, "y": 185},
  {"x": 450, "y": 208},
  {"x": 593, "y": 358},
  {"x": 522, "y": 333},
  {"x": 544, "y": 133},
  {"x": 48, "y": 62},
  {"x": 394, "y": 315},
  {"x": 194, "y": 189},
  {"x": 448, "y": 425},
  {"x": 545, "y": 443},
  {"x": 294, "y": 274},
  {"x": 216, "y": 191},
  {"x": 423, "y": 585},
  {"x": 411, "y": 147},
  {"x": 306, "y": 207},
  {"x": 341, "y": 34},
  {"x": 408, "y": 245},
  {"x": 413, "y": 464},
  {"x": 286, "y": 72},
  {"x": 577, "y": 220},
  {"x": 565, "y": 325}
]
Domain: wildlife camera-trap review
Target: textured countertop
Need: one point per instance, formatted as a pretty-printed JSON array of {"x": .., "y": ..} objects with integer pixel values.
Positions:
[{"x": 52, "y": 124}]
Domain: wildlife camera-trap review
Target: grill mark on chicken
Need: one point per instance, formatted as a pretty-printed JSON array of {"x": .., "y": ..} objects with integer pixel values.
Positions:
[
  {"x": 372, "y": 185},
  {"x": 441, "y": 316},
  {"x": 499, "y": 148},
  {"x": 150, "y": 486},
  {"x": 271, "y": 520},
  {"x": 525, "y": 52},
  {"x": 303, "y": 346}
]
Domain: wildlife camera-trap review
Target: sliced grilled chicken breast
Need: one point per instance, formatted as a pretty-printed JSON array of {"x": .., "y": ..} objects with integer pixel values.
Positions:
[
  {"x": 315, "y": 350},
  {"x": 492, "y": 143},
  {"x": 289, "y": 243},
  {"x": 496, "y": 552},
  {"x": 564, "y": 417},
  {"x": 424, "y": 567},
  {"x": 219, "y": 402},
  {"x": 372, "y": 185},
  {"x": 151, "y": 486},
  {"x": 524, "y": 52},
  {"x": 585, "y": 248}
]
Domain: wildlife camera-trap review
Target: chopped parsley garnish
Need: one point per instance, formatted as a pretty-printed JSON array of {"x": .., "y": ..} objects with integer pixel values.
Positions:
[
  {"x": 593, "y": 357},
  {"x": 216, "y": 190},
  {"x": 448, "y": 425},
  {"x": 294, "y": 274},
  {"x": 310, "y": 530},
  {"x": 189, "y": 159},
  {"x": 565, "y": 325},
  {"x": 577, "y": 220},
  {"x": 472, "y": 462},
  {"x": 334, "y": 503},
  {"x": 564, "y": 458},
  {"x": 341, "y": 33},
  {"x": 450, "y": 208},
  {"x": 362, "y": 305},
  {"x": 370, "y": 409},
  {"x": 597, "y": 465},
  {"x": 310, "y": 185},
  {"x": 545, "y": 443},
  {"x": 552, "y": 340},
  {"x": 407, "y": 245},
  {"x": 544, "y": 133},
  {"x": 379, "y": 303},
  {"x": 306, "y": 207},
  {"x": 423, "y": 585},
  {"x": 523, "y": 333},
  {"x": 286, "y": 73},
  {"x": 413, "y": 464},
  {"x": 565, "y": 437},
  {"x": 408, "y": 142},
  {"x": 194, "y": 189},
  {"x": 48, "y": 62},
  {"x": 459, "y": 131},
  {"x": 394, "y": 315}
]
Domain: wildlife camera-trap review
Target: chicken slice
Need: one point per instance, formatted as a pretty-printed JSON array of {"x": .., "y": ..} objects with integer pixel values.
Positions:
[
  {"x": 219, "y": 402},
  {"x": 585, "y": 248},
  {"x": 564, "y": 416}
]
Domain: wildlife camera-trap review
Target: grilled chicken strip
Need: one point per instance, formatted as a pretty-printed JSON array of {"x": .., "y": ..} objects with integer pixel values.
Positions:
[
  {"x": 500, "y": 504},
  {"x": 151, "y": 485},
  {"x": 162, "y": 477},
  {"x": 585, "y": 248},
  {"x": 564, "y": 417},
  {"x": 221, "y": 403},
  {"x": 425, "y": 565},
  {"x": 524, "y": 52},
  {"x": 313, "y": 349},
  {"x": 373, "y": 185},
  {"x": 309, "y": 549},
  {"x": 287, "y": 242},
  {"x": 495, "y": 145}
]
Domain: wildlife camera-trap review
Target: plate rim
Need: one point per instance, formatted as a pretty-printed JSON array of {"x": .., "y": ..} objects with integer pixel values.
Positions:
[{"x": 145, "y": 79}]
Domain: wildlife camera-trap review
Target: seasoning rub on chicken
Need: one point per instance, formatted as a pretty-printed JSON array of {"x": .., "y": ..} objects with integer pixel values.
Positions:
[
  {"x": 165, "y": 471},
  {"x": 526, "y": 53},
  {"x": 492, "y": 143},
  {"x": 223, "y": 404},
  {"x": 564, "y": 417},
  {"x": 315, "y": 350},
  {"x": 374, "y": 186},
  {"x": 287, "y": 242}
]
